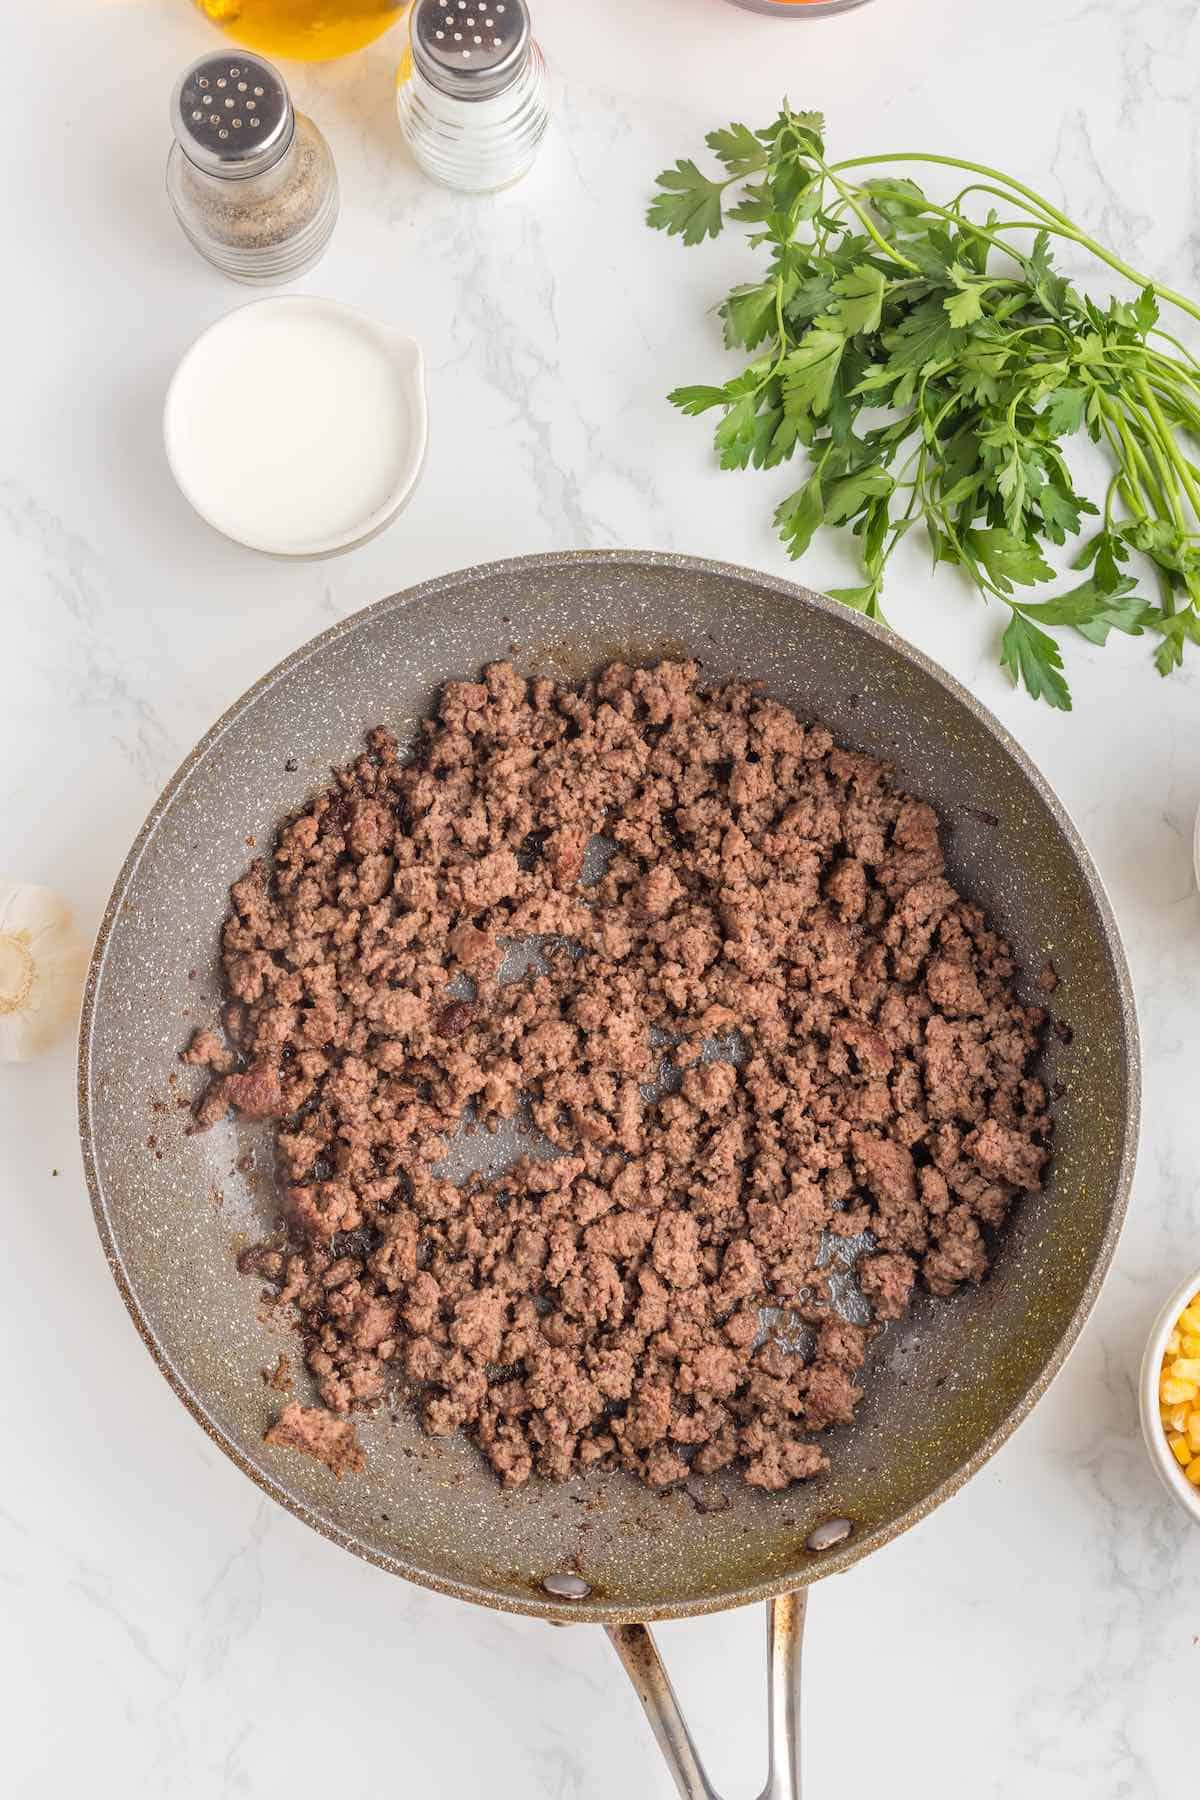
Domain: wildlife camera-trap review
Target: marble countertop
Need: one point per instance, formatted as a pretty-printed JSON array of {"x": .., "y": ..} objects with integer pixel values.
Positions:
[{"x": 165, "y": 1629}]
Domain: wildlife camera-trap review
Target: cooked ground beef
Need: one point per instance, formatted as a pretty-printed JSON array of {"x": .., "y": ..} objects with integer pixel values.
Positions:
[
  {"x": 280, "y": 1376},
  {"x": 318, "y": 1434},
  {"x": 768, "y": 1022}
]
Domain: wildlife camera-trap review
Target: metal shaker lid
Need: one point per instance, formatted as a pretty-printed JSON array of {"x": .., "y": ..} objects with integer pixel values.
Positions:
[
  {"x": 469, "y": 49},
  {"x": 232, "y": 115}
]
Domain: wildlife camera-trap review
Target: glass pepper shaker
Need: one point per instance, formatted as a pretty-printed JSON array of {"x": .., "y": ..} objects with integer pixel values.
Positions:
[
  {"x": 251, "y": 180},
  {"x": 472, "y": 93}
]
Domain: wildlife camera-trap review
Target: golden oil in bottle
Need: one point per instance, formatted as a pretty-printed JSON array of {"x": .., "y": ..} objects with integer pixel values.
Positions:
[{"x": 313, "y": 30}]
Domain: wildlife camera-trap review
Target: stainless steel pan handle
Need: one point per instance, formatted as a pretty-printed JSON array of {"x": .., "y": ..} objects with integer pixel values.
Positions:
[{"x": 785, "y": 1635}]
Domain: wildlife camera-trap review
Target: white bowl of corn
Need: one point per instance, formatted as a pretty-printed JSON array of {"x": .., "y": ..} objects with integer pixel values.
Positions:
[{"x": 1170, "y": 1395}]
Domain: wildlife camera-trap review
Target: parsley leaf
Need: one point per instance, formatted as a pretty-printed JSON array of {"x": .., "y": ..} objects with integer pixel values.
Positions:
[
  {"x": 749, "y": 314},
  {"x": 848, "y": 496},
  {"x": 745, "y": 433},
  {"x": 696, "y": 400},
  {"x": 1033, "y": 658},
  {"x": 690, "y": 204},
  {"x": 1092, "y": 612},
  {"x": 738, "y": 148},
  {"x": 860, "y": 299},
  {"x": 1008, "y": 559},
  {"x": 798, "y": 518},
  {"x": 1053, "y": 292},
  {"x": 1063, "y": 412},
  {"x": 924, "y": 336},
  {"x": 964, "y": 307},
  {"x": 808, "y": 371},
  {"x": 860, "y": 599}
]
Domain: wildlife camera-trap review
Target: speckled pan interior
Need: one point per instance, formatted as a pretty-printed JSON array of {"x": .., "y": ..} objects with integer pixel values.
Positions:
[{"x": 944, "y": 1388}]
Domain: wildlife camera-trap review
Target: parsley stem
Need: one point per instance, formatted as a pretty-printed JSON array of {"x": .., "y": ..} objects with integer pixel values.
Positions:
[
  {"x": 1157, "y": 331},
  {"x": 1181, "y": 408},
  {"x": 1174, "y": 386},
  {"x": 1109, "y": 492},
  {"x": 1005, "y": 194},
  {"x": 1019, "y": 331},
  {"x": 1066, "y": 227},
  {"x": 1132, "y": 465},
  {"x": 1167, "y": 437},
  {"x": 868, "y": 225},
  {"x": 1169, "y": 380},
  {"x": 1167, "y": 487},
  {"x": 983, "y": 582},
  {"x": 945, "y": 212},
  {"x": 954, "y": 400},
  {"x": 780, "y": 323},
  {"x": 905, "y": 519},
  {"x": 989, "y": 232},
  {"x": 1167, "y": 368},
  {"x": 1144, "y": 428}
]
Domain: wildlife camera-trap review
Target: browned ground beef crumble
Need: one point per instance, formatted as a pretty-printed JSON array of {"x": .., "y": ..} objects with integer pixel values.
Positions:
[
  {"x": 317, "y": 1433},
  {"x": 770, "y": 895}
]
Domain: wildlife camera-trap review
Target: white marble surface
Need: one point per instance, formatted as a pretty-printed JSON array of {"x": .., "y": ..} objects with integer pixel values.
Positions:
[{"x": 165, "y": 1630}]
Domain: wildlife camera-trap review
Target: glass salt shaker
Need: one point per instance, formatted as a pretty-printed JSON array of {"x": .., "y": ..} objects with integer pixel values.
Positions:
[
  {"x": 472, "y": 92},
  {"x": 251, "y": 180},
  {"x": 796, "y": 9}
]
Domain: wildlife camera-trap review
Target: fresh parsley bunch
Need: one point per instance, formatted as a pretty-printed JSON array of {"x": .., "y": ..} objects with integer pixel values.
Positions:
[{"x": 932, "y": 364}]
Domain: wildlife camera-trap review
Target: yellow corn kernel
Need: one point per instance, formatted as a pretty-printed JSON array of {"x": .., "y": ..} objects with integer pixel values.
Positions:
[{"x": 1179, "y": 1390}]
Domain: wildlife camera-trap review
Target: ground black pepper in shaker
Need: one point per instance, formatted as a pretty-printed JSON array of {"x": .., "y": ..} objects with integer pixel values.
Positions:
[{"x": 251, "y": 180}]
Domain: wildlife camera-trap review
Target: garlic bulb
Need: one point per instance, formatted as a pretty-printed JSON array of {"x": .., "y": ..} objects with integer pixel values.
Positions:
[{"x": 43, "y": 961}]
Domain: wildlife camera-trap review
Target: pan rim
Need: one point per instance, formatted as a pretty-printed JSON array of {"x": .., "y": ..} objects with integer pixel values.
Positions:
[{"x": 853, "y": 1549}]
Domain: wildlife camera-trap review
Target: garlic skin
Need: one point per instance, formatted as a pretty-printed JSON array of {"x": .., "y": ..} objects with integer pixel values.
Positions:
[{"x": 43, "y": 961}]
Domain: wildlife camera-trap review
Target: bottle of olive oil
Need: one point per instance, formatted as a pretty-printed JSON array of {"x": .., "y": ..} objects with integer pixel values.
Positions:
[{"x": 313, "y": 30}]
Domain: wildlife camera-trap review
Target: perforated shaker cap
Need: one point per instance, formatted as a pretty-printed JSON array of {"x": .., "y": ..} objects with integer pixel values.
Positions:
[
  {"x": 470, "y": 50},
  {"x": 232, "y": 114}
]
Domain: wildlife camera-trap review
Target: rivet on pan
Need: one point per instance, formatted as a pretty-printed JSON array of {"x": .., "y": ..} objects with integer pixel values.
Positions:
[
  {"x": 826, "y": 1535},
  {"x": 567, "y": 1587}
]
